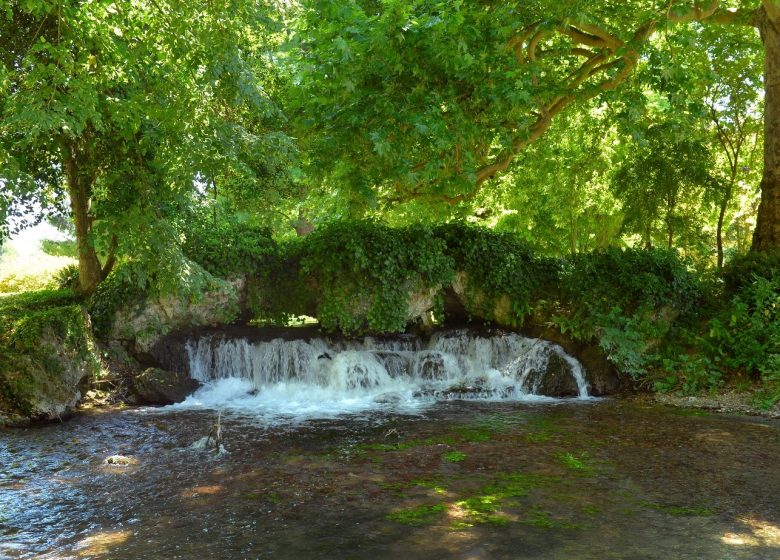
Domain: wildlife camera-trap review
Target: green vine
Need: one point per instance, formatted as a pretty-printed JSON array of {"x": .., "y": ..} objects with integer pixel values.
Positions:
[
  {"x": 498, "y": 265},
  {"x": 367, "y": 270},
  {"x": 38, "y": 327}
]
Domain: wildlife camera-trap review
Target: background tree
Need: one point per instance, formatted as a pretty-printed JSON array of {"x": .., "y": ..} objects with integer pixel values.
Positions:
[
  {"x": 430, "y": 100},
  {"x": 122, "y": 106},
  {"x": 667, "y": 173}
]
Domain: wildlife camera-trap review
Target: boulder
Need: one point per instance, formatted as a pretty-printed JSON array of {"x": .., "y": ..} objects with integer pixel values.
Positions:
[
  {"x": 477, "y": 304},
  {"x": 44, "y": 377},
  {"x": 601, "y": 375},
  {"x": 558, "y": 380},
  {"x": 142, "y": 325},
  {"x": 159, "y": 386}
]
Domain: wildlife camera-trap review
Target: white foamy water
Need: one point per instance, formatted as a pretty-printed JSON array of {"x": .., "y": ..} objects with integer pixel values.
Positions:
[{"x": 318, "y": 378}]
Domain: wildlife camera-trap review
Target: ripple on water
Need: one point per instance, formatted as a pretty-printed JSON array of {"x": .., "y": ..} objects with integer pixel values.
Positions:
[{"x": 530, "y": 480}]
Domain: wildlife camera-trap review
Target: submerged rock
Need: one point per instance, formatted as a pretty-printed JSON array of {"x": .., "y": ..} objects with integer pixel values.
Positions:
[
  {"x": 159, "y": 386},
  {"x": 121, "y": 461}
]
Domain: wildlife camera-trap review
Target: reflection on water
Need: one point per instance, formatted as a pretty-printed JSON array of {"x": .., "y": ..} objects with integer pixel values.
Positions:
[{"x": 455, "y": 480}]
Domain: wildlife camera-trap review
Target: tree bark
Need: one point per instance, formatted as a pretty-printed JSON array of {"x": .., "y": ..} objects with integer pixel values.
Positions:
[
  {"x": 79, "y": 188},
  {"x": 766, "y": 236},
  {"x": 719, "y": 233}
]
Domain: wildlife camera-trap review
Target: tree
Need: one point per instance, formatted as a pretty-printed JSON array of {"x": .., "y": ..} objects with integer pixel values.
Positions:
[
  {"x": 123, "y": 106},
  {"x": 733, "y": 106},
  {"x": 430, "y": 99},
  {"x": 664, "y": 172}
]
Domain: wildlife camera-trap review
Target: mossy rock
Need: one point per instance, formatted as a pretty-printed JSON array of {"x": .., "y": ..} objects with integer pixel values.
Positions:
[{"x": 49, "y": 356}]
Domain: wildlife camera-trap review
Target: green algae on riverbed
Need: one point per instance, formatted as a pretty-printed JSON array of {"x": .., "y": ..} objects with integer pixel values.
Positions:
[{"x": 607, "y": 479}]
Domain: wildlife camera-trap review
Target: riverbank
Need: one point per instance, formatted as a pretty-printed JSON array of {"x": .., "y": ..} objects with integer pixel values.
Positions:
[{"x": 728, "y": 402}]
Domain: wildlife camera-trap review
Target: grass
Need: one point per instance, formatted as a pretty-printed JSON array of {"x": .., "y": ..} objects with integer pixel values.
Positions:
[
  {"x": 420, "y": 515},
  {"x": 454, "y": 456},
  {"x": 575, "y": 462},
  {"x": 678, "y": 511},
  {"x": 25, "y": 274},
  {"x": 537, "y": 517}
]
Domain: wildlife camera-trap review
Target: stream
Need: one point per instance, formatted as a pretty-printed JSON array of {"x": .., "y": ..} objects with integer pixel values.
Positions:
[{"x": 456, "y": 479}]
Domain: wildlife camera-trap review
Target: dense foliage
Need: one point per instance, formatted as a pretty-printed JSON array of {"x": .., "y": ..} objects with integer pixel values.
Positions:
[
  {"x": 228, "y": 247},
  {"x": 365, "y": 273},
  {"x": 628, "y": 301},
  {"x": 499, "y": 265},
  {"x": 127, "y": 109},
  {"x": 529, "y": 157},
  {"x": 40, "y": 330}
]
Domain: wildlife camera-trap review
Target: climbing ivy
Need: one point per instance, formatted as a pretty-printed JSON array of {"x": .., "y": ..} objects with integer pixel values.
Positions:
[
  {"x": 498, "y": 265},
  {"x": 127, "y": 284},
  {"x": 366, "y": 272},
  {"x": 227, "y": 247},
  {"x": 628, "y": 300}
]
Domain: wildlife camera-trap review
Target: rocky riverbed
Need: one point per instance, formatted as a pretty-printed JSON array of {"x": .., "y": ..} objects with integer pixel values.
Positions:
[{"x": 598, "y": 479}]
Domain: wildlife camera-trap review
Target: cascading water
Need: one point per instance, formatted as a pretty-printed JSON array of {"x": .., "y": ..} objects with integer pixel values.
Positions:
[{"x": 320, "y": 377}]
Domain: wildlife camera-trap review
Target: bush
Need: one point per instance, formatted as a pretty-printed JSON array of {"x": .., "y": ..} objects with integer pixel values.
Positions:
[
  {"x": 628, "y": 300},
  {"x": 366, "y": 270},
  {"x": 746, "y": 334},
  {"x": 66, "y": 278},
  {"x": 496, "y": 265},
  {"x": 743, "y": 270},
  {"x": 31, "y": 362}
]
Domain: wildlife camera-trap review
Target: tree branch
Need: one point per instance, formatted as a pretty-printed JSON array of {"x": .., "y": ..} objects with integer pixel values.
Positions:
[
  {"x": 606, "y": 55},
  {"x": 110, "y": 257}
]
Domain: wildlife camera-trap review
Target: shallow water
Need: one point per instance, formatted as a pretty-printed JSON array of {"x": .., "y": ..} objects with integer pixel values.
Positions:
[{"x": 603, "y": 479}]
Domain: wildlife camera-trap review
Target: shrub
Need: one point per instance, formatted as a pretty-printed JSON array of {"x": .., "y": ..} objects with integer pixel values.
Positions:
[
  {"x": 227, "y": 248},
  {"x": 498, "y": 264},
  {"x": 66, "y": 278},
  {"x": 27, "y": 359},
  {"x": 743, "y": 270},
  {"x": 745, "y": 335},
  {"x": 628, "y": 300}
]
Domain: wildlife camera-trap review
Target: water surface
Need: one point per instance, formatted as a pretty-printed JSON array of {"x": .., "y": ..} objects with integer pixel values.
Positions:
[{"x": 578, "y": 479}]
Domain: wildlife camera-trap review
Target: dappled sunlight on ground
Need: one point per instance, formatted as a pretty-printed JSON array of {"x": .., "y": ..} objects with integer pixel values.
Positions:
[
  {"x": 714, "y": 436},
  {"x": 757, "y": 533}
]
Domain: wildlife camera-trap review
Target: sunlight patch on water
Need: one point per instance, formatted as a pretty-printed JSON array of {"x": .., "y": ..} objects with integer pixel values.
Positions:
[{"x": 102, "y": 542}]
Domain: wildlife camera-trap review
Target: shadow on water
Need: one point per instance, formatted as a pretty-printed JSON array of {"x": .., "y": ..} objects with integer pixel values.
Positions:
[{"x": 461, "y": 480}]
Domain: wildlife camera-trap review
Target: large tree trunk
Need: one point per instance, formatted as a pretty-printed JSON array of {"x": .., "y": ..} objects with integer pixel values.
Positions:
[
  {"x": 79, "y": 187},
  {"x": 766, "y": 236}
]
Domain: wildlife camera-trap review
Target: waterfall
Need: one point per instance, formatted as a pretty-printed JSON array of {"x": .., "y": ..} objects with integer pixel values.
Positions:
[{"x": 455, "y": 364}]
